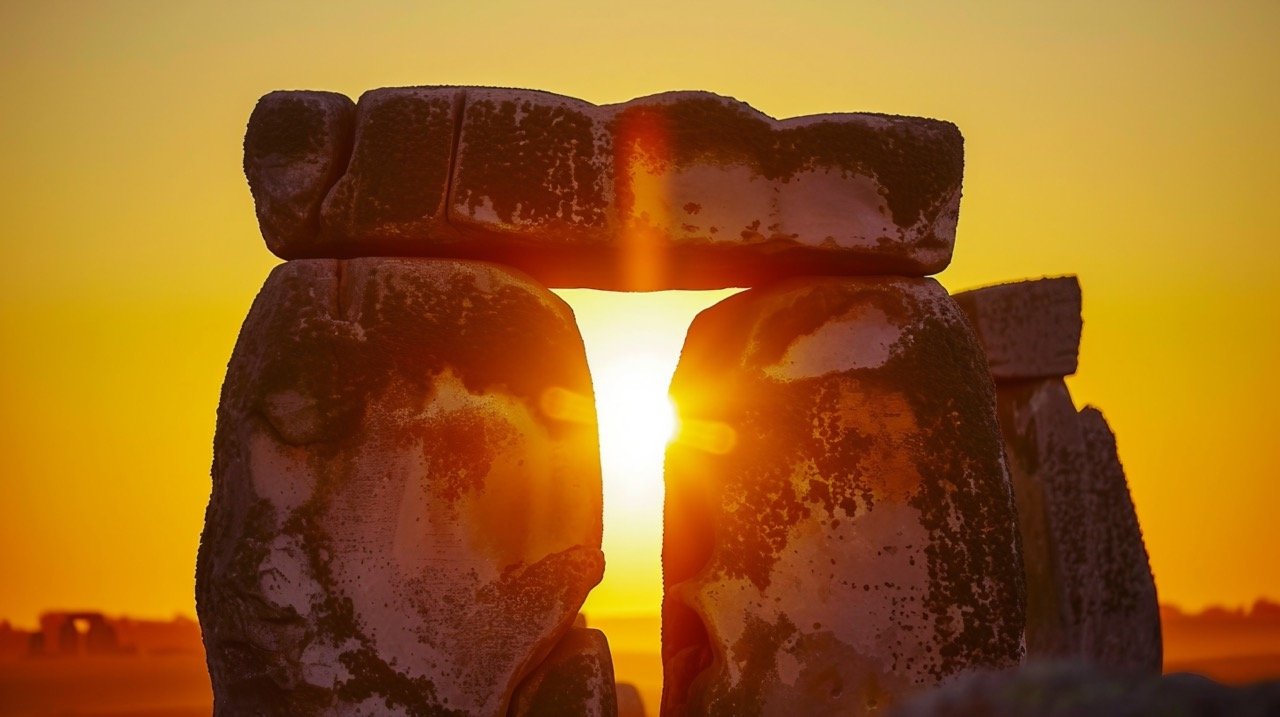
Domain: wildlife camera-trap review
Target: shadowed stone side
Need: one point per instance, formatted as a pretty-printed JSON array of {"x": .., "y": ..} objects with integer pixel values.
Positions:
[
  {"x": 677, "y": 190},
  {"x": 575, "y": 679},
  {"x": 1050, "y": 470},
  {"x": 1028, "y": 329},
  {"x": 839, "y": 527},
  {"x": 397, "y": 526},
  {"x": 394, "y": 191},
  {"x": 1122, "y": 626},
  {"x": 295, "y": 148}
]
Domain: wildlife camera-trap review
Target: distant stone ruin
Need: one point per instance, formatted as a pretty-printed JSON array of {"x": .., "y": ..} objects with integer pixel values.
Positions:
[
  {"x": 406, "y": 506},
  {"x": 73, "y": 634}
]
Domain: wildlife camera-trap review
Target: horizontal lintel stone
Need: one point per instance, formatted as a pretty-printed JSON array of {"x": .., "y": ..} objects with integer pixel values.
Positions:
[{"x": 677, "y": 190}]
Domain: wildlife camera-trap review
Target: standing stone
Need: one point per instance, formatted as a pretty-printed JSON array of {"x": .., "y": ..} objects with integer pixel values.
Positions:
[
  {"x": 296, "y": 146},
  {"x": 575, "y": 679},
  {"x": 1050, "y": 469},
  {"x": 1028, "y": 329},
  {"x": 1123, "y": 623},
  {"x": 397, "y": 526},
  {"x": 839, "y": 528},
  {"x": 630, "y": 704}
]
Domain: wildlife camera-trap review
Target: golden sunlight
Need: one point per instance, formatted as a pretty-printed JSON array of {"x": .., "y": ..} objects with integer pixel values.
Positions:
[
  {"x": 636, "y": 420},
  {"x": 633, "y": 342}
]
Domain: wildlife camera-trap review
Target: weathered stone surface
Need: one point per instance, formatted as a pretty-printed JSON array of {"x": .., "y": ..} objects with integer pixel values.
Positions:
[
  {"x": 575, "y": 679},
  {"x": 1028, "y": 329},
  {"x": 1050, "y": 470},
  {"x": 677, "y": 190},
  {"x": 397, "y": 526},
  {"x": 839, "y": 528},
  {"x": 694, "y": 190},
  {"x": 1122, "y": 625},
  {"x": 1078, "y": 690},
  {"x": 1090, "y": 592},
  {"x": 295, "y": 148},
  {"x": 629, "y": 702},
  {"x": 394, "y": 192}
]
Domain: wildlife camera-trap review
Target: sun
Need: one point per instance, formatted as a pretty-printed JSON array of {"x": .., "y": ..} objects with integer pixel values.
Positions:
[
  {"x": 633, "y": 342},
  {"x": 636, "y": 420}
]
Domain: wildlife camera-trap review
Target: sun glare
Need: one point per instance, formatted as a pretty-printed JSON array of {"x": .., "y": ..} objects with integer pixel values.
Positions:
[
  {"x": 636, "y": 421},
  {"x": 633, "y": 342}
]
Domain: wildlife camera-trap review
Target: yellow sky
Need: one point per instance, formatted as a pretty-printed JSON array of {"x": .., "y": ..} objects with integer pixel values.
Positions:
[{"x": 1135, "y": 146}]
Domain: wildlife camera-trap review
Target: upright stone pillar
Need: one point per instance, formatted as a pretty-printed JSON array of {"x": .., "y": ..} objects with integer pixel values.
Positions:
[
  {"x": 839, "y": 527},
  {"x": 406, "y": 506},
  {"x": 1090, "y": 592}
]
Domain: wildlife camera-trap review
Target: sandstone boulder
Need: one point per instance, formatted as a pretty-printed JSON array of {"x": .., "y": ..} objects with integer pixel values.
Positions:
[
  {"x": 296, "y": 146},
  {"x": 1122, "y": 625},
  {"x": 677, "y": 190},
  {"x": 1050, "y": 471},
  {"x": 839, "y": 527},
  {"x": 393, "y": 195},
  {"x": 1028, "y": 329},
  {"x": 1090, "y": 592},
  {"x": 398, "y": 525}
]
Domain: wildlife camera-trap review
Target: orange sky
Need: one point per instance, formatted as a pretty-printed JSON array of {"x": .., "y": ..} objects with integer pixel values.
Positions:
[{"x": 1134, "y": 144}]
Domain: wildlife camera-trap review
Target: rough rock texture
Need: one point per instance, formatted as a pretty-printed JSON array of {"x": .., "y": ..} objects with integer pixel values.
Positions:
[
  {"x": 839, "y": 527},
  {"x": 1028, "y": 329},
  {"x": 630, "y": 703},
  {"x": 1074, "y": 690},
  {"x": 677, "y": 190},
  {"x": 1123, "y": 621},
  {"x": 1050, "y": 470},
  {"x": 397, "y": 525},
  {"x": 575, "y": 679},
  {"x": 1090, "y": 592},
  {"x": 395, "y": 189},
  {"x": 296, "y": 147}
]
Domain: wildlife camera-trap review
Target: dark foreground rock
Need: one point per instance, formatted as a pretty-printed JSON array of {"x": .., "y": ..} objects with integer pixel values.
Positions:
[
  {"x": 405, "y": 518},
  {"x": 839, "y": 528},
  {"x": 1075, "y": 690}
]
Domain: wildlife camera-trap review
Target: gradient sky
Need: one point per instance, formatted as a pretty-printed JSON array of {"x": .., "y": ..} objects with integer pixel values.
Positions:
[{"x": 1134, "y": 144}]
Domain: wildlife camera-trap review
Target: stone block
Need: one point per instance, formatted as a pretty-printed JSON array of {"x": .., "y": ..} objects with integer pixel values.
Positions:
[
  {"x": 839, "y": 526},
  {"x": 398, "y": 524},
  {"x": 1028, "y": 329},
  {"x": 678, "y": 190},
  {"x": 394, "y": 192},
  {"x": 295, "y": 148}
]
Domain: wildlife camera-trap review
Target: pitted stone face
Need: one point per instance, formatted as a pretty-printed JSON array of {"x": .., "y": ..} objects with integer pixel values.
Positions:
[
  {"x": 677, "y": 190},
  {"x": 296, "y": 147},
  {"x": 1028, "y": 329},
  {"x": 1090, "y": 592},
  {"x": 397, "y": 526},
  {"x": 1049, "y": 466},
  {"x": 1123, "y": 621},
  {"x": 856, "y": 540}
]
